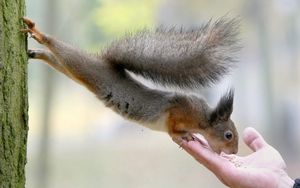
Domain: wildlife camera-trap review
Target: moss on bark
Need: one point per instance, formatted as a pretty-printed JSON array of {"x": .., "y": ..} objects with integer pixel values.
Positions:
[{"x": 13, "y": 95}]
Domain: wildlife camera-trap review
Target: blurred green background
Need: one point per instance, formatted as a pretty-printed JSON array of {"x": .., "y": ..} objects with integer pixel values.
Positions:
[{"x": 75, "y": 142}]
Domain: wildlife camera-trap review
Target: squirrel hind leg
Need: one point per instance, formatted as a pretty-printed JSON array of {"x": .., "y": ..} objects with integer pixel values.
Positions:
[
  {"x": 31, "y": 54},
  {"x": 38, "y": 54},
  {"x": 33, "y": 31},
  {"x": 49, "y": 58}
]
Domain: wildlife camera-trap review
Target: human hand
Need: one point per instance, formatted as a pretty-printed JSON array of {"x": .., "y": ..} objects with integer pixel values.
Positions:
[{"x": 264, "y": 168}]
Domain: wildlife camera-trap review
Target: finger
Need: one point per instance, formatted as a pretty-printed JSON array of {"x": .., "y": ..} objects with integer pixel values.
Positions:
[
  {"x": 201, "y": 139},
  {"x": 204, "y": 155},
  {"x": 222, "y": 167},
  {"x": 253, "y": 139}
]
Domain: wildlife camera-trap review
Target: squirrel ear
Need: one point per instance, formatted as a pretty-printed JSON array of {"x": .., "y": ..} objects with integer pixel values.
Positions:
[{"x": 224, "y": 108}]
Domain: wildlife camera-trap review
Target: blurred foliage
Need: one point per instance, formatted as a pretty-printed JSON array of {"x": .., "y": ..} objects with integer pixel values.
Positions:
[{"x": 114, "y": 17}]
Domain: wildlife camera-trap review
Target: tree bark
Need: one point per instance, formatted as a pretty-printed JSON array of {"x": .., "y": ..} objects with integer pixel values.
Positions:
[{"x": 13, "y": 95}]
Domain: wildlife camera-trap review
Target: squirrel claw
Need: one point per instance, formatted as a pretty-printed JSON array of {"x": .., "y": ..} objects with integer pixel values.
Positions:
[
  {"x": 179, "y": 138},
  {"x": 188, "y": 137},
  {"x": 28, "y": 22},
  {"x": 25, "y": 30},
  {"x": 31, "y": 53}
]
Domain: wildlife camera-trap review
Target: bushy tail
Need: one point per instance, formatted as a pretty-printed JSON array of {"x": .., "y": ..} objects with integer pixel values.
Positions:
[{"x": 179, "y": 57}]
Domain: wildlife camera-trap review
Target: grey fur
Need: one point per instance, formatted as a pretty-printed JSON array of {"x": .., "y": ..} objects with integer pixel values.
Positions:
[
  {"x": 183, "y": 58},
  {"x": 112, "y": 85},
  {"x": 130, "y": 98},
  {"x": 178, "y": 57}
]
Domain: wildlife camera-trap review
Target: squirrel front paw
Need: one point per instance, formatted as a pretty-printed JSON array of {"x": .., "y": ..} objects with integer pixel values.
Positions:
[
  {"x": 33, "y": 31},
  {"x": 179, "y": 137}
]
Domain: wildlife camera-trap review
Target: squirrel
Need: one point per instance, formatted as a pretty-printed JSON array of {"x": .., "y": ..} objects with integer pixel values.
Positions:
[{"x": 184, "y": 58}]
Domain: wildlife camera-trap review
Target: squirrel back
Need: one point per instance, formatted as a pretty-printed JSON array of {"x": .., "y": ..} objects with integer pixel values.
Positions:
[{"x": 185, "y": 58}]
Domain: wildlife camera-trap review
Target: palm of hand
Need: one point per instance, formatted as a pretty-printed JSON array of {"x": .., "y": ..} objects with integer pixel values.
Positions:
[{"x": 262, "y": 168}]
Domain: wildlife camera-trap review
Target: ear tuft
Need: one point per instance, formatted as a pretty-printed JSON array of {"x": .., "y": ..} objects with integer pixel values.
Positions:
[{"x": 224, "y": 108}]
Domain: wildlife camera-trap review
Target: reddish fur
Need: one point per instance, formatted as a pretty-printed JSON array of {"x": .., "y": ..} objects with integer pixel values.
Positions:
[{"x": 180, "y": 122}]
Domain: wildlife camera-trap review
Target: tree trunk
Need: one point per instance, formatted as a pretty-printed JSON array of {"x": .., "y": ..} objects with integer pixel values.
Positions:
[{"x": 13, "y": 95}]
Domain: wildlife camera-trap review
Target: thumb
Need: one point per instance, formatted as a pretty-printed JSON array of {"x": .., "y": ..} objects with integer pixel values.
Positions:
[{"x": 253, "y": 139}]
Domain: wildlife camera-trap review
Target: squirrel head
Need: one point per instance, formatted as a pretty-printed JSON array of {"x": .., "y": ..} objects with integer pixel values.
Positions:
[
  {"x": 193, "y": 115},
  {"x": 222, "y": 131}
]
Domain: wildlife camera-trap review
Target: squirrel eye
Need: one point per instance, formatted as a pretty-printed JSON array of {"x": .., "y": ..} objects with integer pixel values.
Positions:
[{"x": 228, "y": 135}]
